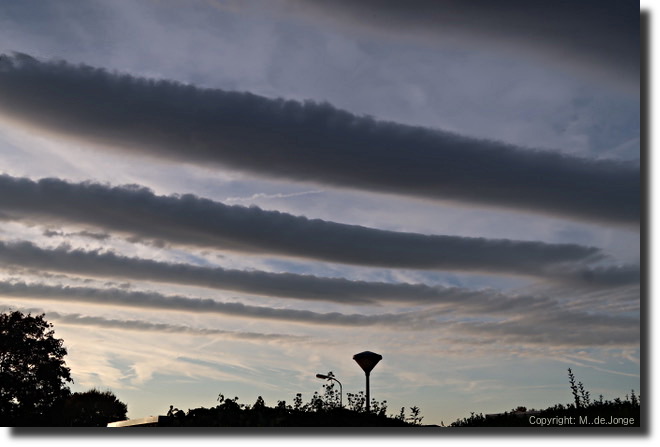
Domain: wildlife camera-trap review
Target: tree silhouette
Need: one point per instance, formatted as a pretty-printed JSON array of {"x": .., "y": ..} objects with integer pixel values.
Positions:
[
  {"x": 93, "y": 408},
  {"x": 33, "y": 374}
]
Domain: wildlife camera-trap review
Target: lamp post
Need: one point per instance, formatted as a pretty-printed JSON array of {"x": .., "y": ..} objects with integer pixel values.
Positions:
[
  {"x": 341, "y": 391},
  {"x": 367, "y": 360}
]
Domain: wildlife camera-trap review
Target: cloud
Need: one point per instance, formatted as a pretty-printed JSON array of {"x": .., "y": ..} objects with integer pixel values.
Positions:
[
  {"x": 270, "y": 196},
  {"x": 509, "y": 319},
  {"x": 156, "y": 301},
  {"x": 191, "y": 220},
  {"x": 569, "y": 329},
  {"x": 601, "y": 37},
  {"x": 76, "y": 319},
  {"x": 145, "y": 326},
  {"x": 310, "y": 142},
  {"x": 600, "y": 276},
  {"x": 285, "y": 285},
  {"x": 88, "y": 234}
]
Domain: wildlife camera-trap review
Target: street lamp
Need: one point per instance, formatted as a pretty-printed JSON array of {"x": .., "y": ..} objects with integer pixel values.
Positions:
[
  {"x": 367, "y": 360},
  {"x": 323, "y": 376}
]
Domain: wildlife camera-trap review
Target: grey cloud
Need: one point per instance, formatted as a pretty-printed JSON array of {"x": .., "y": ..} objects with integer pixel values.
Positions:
[
  {"x": 311, "y": 142},
  {"x": 563, "y": 328},
  {"x": 191, "y": 220},
  {"x": 145, "y": 326},
  {"x": 601, "y": 276},
  {"x": 157, "y": 301},
  {"x": 286, "y": 285},
  {"x": 508, "y": 319},
  {"x": 270, "y": 196},
  {"x": 602, "y": 36},
  {"x": 443, "y": 301},
  {"x": 88, "y": 234}
]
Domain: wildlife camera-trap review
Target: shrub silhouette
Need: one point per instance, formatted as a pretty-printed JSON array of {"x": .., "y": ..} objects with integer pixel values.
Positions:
[
  {"x": 322, "y": 410},
  {"x": 583, "y": 412}
]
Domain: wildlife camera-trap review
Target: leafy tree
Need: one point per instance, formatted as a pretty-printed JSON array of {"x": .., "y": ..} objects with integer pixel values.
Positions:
[
  {"x": 93, "y": 408},
  {"x": 33, "y": 374}
]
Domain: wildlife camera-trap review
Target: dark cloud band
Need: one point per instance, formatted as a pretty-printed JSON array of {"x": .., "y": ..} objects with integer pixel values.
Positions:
[
  {"x": 311, "y": 142},
  {"x": 285, "y": 285},
  {"x": 192, "y": 220},
  {"x": 529, "y": 320},
  {"x": 157, "y": 301}
]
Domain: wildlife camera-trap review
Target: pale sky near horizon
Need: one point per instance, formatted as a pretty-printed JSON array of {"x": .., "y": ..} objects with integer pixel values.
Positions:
[{"x": 230, "y": 197}]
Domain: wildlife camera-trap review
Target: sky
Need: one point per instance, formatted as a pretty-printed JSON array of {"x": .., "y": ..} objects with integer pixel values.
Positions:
[{"x": 230, "y": 197}]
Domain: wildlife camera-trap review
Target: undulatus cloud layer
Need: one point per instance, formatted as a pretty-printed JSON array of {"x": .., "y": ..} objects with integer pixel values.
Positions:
[
  {"x": 158, "y": 301},
  {"x": 530, "y": 319},
  {"x": 310, "y": 142},
  {"x": 307, "y": 142},
  {"x": 489, "y": 205},
  {"x": 76, "y": 319},
  {"x": 285, "y": 285},
  {"x": 191, "y": 220}
]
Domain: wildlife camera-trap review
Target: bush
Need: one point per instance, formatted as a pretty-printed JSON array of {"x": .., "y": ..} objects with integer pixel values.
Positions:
[
  {"x": 323, "y": 410},
  {"x": 582, "y": 412}
]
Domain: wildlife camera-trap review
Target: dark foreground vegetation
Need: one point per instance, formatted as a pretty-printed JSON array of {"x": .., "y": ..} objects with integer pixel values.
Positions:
[
  {"x": 582, "y": 412},
  {"x": 34, "y": 392},
  {"x": 321, "y": 411},
  {"x": 34, "y": 377}
]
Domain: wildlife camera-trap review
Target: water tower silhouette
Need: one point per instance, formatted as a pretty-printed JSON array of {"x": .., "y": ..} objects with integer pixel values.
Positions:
[{"x": 367, "y": 361}]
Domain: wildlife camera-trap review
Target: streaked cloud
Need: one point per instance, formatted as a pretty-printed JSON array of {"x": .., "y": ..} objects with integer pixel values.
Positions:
[
  {"x": 270, "y": 196},
  {"x": 284, "y": 285},
  {"x": 157, "y": 301},
  {"x": 146, "y": 326},
  {"x": 540, "y": 329},
  {"x": 527, "y": 319},
  {"x": 77, "y": 319}
]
